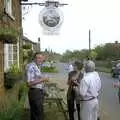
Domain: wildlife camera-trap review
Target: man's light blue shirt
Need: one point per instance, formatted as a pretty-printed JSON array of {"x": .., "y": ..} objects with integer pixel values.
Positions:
[{"x": 33, "y": 73}]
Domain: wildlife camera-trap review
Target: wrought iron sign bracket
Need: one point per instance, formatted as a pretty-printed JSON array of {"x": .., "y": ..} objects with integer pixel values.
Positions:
[{"x": 46, "y": 4}]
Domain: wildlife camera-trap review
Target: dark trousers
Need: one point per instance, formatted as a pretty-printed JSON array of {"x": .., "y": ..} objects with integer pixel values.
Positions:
[
  {"x": 36, "y": 100},
  {"x": 71, "y": 107},
  {"x": 78, "y": 111}
]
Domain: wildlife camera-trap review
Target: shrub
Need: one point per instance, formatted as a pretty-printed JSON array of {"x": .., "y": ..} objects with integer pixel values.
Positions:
[
  {"x": 106, "y": 64},
  {"x": 12, "y": 76},
  {"x": 27, "y": 46},
  {"x": 22, "y": 90},
  {"x": 10, "y": 107},
  {"x": 13, "y": 113},
  {"x": 49, "y": 69}
]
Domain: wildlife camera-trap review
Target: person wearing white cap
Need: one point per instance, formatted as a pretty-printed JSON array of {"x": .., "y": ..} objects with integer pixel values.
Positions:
[{"x": 90, "y": 86}]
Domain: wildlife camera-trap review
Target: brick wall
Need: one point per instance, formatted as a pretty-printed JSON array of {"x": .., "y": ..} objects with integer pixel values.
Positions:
[
  {"x": 7, "y": 21},
  {"x": 16, "y": 14},
  {"x": 1, "y": 64}
]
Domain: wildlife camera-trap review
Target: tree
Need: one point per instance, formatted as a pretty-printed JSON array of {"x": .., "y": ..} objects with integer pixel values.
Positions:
[
  {"x": 109, "y": 51},
  {"x": 93, "y": 55},
  {"x": 75, "y": 55}
]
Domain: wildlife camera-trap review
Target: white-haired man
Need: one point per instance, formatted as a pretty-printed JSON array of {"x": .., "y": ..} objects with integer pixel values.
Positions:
[{"x": 89, "y": 90}]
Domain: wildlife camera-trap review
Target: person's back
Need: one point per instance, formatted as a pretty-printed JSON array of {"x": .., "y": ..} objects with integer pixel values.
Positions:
[
  {"x": 89, "y": 90},
  {"x": 94, "y": 82}
]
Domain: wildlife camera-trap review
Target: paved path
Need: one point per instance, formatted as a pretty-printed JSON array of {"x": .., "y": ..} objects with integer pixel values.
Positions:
[{"x": 109, "y": 99}]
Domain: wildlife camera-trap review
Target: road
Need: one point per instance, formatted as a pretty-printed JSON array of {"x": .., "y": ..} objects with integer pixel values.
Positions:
[
  {"x": 109, "y": 106},
  {"x": 108, "y": 99}
]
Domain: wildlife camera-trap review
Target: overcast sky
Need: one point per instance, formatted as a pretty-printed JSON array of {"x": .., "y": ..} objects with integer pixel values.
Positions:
[{"x": 101, "y": 16}]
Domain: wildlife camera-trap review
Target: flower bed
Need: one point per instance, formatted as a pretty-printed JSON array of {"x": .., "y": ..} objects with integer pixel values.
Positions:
[{"x": 49, "y": 69}]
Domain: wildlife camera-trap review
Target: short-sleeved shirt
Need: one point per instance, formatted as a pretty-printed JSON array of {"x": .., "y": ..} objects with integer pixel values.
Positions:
[
  {"x": 90, "y": 85},
  {"x": 33, "y": 73}
]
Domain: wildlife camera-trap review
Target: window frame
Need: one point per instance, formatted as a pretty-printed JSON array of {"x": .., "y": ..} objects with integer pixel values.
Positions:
[{"x": 8, "y": 8}]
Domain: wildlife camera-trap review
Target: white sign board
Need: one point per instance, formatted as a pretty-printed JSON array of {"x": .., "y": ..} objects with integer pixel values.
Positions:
[{"x": 51, "y": 19}]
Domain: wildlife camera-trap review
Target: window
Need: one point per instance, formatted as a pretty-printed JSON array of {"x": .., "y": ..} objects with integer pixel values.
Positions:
[
  {"x": 15, "y": 56},
  {"x": 8, "y": 7},
  {"x": 15, "y": 48},
  {"x": 10, "y": 62},
  {"x": 10, "y": 56},
  {"x": 10, "y": 47}
]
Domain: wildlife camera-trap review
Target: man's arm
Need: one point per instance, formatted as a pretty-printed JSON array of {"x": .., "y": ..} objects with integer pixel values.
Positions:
[
  {"x": 31, "y": 81},
  {"x": 35, "y": 82}
]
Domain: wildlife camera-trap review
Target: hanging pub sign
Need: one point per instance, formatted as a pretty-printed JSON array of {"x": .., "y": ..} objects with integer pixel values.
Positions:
[{"x": 51, "y": 19}]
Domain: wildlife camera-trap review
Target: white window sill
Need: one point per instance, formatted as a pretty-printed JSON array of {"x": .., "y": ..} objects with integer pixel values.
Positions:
[{"x": 9, "y": 15}]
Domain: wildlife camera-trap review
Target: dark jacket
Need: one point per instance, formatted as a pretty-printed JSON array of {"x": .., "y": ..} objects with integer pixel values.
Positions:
[{"x": 71, "y": 92}]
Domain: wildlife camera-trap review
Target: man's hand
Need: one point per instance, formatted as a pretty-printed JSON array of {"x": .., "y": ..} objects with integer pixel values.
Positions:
[
  {"x": 38, "y": 81},
  {"x": 75, "y": 82}
]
